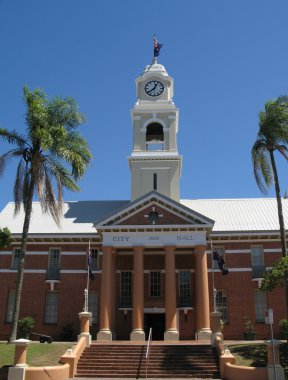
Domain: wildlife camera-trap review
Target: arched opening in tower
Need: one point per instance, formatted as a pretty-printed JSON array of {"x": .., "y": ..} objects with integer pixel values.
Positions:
[{"x": 155, "y": 137}]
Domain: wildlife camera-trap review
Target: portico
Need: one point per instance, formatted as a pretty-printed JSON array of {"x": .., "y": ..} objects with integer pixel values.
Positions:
[{"x": 154, "y": 249}]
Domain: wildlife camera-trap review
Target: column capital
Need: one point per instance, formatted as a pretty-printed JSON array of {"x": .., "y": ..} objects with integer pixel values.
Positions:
[
  {"x": 108, "y": 248},
  {"x": 138, "y": 248},
  {"x": 169, "y": 248},
  {"x": 200, "y": 248}
]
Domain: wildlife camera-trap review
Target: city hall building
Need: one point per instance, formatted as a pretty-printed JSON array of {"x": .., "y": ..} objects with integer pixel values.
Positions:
[{"x": 151, "y": 255}]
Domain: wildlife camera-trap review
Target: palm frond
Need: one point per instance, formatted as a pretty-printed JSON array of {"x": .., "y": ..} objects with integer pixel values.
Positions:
[
  {"x": 282, "y": 149},
  {"x": 65, "y": 112},
  {"x": 19, "y": 185},
  {"x": 12, "y": 137},
  {"x": 75, "y": 151},
  {"x": 6, "y": 157},
  {"x": 51, "y": 203},
  {"x": 262, "y": 165},
  {"x": 63, "y": 176}
]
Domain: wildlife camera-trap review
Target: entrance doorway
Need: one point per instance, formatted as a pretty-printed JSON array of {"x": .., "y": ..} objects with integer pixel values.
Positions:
[{"x": 157, "y": 323}]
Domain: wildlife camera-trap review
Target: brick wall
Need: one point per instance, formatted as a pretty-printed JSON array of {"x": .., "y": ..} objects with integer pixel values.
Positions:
[{"x": 238, "y": 284}]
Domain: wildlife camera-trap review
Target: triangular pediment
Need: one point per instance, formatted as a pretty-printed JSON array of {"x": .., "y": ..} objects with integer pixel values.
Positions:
[{"x": 155, "y": 211}]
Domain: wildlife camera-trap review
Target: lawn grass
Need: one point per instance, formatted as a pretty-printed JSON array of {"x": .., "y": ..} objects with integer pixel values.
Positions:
[
  {"x": 38, "y": 354},
  {"x": 255, "y": 355}
]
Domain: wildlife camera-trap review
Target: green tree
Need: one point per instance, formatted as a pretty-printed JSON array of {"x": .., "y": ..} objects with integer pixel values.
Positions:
[
  {"x": 277, "y": 275},
  {"x": 5, "y": 237},
  {"x": 51, "y": 156},
  {"x": 272, "y": 137}
]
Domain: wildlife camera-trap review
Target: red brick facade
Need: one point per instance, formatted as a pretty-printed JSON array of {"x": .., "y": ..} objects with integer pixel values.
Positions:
[{"x": 238, "y": 286}]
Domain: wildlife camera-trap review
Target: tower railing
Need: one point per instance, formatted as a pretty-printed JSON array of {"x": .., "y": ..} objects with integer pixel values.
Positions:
[{"x": 154, "y": 146}]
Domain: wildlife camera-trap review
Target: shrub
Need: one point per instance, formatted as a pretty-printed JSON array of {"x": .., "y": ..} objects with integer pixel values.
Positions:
[{"x": 25, "y": 327}]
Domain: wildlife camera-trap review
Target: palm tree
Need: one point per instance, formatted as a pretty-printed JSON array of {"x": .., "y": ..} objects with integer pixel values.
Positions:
[
  {"x": 272, "y": 137},
  {"x": 52, "y": 154}
]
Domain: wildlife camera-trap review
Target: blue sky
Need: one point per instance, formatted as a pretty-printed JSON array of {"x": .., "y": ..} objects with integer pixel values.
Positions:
[{"x": 227, "y": 58}]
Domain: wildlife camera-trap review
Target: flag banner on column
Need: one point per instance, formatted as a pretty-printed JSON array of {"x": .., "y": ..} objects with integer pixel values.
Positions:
[
  {"x": 90, "y": 262},
  {"x": 221, "y": 263},
  {"x": 157, "y": 47}
]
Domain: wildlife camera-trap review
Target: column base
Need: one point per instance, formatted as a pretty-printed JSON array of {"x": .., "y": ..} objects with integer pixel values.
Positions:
[
  {"x": 203, "y": 334},
  {"x": 104, "y": 335},
  {"x": 17, "y": 373},
  {"x": 279, "y": 372},
  {"x": 137, "y": 334},
  {"x": 171, "y": 335}
]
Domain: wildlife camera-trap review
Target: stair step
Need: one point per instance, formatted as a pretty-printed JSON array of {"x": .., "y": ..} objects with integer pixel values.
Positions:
[{"x": 167, "y": 361}]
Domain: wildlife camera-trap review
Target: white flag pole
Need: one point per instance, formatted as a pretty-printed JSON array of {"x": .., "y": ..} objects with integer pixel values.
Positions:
[
  {"x": 213, "y": 280},
  {"x": 87, "y": 285}
]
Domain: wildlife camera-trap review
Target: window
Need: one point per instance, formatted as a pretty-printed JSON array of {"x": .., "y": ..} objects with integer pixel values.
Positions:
[
  {"x": 126, "y": 289},
  {"x": 94, "y": 265},
  {"x": 16, "y": 256},
  {"x": 10, "y": 305},
  {"x": 260, "y": 301},
  {"x": 154, "y": 181},
  {"x": 221, "y": 253},
  {"x": 92, "y": 305},
  {"x": 257, "y": 259},
  {"x": 221, "y": 304},
  {"x": 51, "y": 307},
  {"x": 155, "y": 284},
  {"x": 184, "y": 288},
  {"x": 53, "y": 271}
]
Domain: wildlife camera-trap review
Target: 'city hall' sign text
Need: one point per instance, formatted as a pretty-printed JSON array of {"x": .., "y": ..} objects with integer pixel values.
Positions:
[{"x": 126, "y": 239}]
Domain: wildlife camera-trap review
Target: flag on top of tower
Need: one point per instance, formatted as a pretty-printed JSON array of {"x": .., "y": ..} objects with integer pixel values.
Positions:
[
  {"x": 221, "y": 263},
  {"x": 157, "y": 47}
]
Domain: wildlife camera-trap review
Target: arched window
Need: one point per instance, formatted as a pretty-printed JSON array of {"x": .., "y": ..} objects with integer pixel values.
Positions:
[{"x": 154, "y": 137}]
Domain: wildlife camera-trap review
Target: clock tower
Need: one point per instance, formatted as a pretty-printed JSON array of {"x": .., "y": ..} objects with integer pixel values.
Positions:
[{"x": 154, "y": 162}]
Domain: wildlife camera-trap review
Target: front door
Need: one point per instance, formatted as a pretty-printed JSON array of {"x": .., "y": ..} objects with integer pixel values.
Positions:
[{"x": 157, "y": 323}]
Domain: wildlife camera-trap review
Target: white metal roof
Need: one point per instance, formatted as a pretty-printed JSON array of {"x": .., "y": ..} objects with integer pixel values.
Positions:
[
  {"x": 251, "y": 214},
  {"x": 257, "y": 214}
]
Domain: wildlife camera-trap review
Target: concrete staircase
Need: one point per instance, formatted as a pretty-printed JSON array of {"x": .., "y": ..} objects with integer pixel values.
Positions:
[{"x": 165, "y": 361}]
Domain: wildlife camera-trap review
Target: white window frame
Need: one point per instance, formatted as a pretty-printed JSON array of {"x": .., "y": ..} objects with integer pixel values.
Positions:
[
  {"x": 221, "y": 253},
  {"x": 53, "y": 268},
  {"x": 93, "y": 305},
  {"x": 16, "y": 257},
  {"x": 159, "y": 284},
  {"x": 222, "y": 307},
  {"x": 186, "y": 290},
  {"x": 257, "y": 260},
  {"x": 95, "y": 259},
  {"x": 51, "y": 308},
  {"x": 260, "y": 304},
  {"x": 10, "y": 305},
  {"x": 125, "y": 287}
]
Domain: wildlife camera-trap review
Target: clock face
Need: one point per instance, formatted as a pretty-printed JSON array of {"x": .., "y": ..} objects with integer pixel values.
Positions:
[{"x": 154, "y": 88}]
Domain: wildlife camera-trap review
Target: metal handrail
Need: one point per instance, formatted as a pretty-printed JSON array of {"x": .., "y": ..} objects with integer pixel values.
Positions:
[{"x": 148, "y": 349}]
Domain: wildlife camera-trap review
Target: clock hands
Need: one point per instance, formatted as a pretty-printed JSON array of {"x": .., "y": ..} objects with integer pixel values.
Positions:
[{"x": 154, "y": 88}]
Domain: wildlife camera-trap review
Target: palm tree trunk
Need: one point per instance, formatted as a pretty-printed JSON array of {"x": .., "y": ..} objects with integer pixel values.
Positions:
[
  {"x": 279, "y": 206},
  {"x": 281, "y": 220},
  {"x": 20, "y": 273}
]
